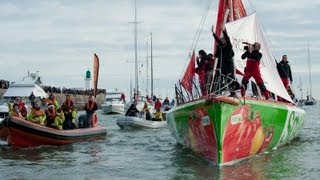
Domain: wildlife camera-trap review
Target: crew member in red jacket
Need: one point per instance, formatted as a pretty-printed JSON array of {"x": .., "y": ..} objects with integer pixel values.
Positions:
[{"x": 252, "y": 69}]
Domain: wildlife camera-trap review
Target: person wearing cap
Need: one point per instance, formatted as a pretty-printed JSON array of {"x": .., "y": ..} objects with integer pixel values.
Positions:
[
  {"x": 51, "y": 115},
  {"x": 37, "y": 115},
  {"x": 252, "y": 69}
]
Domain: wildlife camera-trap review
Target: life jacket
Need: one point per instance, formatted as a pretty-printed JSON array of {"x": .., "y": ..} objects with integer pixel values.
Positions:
[
  {"x": 15, "y": 114},
  {"x": 37, "y": 113},
  {"x": 90, "y": 106},
  {"x": 69, "y": 103},
  {"x": 51, "y": 114}
]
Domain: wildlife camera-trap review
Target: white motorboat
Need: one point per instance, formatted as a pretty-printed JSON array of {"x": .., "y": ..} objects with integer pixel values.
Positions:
[
  {"x": 23, "y": 91},
  {"x": 113, "y": 104},
  {"x": 132, "y": 122}
]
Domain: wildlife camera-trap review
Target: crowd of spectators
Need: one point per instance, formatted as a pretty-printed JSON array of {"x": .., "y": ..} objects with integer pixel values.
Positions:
[{"x": 49, "y": 89}]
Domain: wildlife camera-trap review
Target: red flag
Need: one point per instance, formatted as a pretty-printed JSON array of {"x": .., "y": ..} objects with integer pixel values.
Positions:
[
  {"x": 187, "y": 78},
  {"x": 95, "y": 74}
]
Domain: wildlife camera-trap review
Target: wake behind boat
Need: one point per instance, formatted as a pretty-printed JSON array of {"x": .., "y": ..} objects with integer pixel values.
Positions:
[
  {"x": 22, "y": 133},
  {"x": 224, "y": 129}
]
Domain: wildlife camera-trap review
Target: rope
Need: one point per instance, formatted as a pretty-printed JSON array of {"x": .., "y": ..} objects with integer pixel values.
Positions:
[{"x": 199, "y": 31}]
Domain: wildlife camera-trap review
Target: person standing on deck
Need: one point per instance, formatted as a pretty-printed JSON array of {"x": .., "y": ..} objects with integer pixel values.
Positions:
[
  {"x": 284, "y": 71},
  {"x": 90, "y": 108},
  {"x": 202, "y": 70},
  {"x": 67, "y": 108},
  {"x": 252, "y": 69},
  {"x": 224, "y": 54}
]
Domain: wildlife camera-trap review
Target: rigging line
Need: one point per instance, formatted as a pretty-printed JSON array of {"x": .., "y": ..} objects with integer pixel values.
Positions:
[
  {"x": 205, "y": 17},
  {"x": 200, "y": 25},
  {"x": 198, "y": 32}
]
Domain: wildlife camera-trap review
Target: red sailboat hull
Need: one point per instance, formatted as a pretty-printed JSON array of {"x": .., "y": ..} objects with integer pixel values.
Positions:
[{"x": 21, "y": 133}]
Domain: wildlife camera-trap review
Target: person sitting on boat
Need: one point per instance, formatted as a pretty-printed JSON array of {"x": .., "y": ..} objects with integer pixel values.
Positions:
[
  {"x": 166, "y": 104},
  {"x": 132, "y": 111},
  {"x": 51, "y": 115},
  {"x": 225, "y": 63},
  {"x": 74, "y": 116},
  {"x": 123, "y": 98},
  {"x": 90, "y": 108},
  {"x": 59, "y": 119},
  {"x": 146, "y": 111},
  {"x": 52, "y": 100},
  {"x": 67, "y": 107},
  {"x": 166, "y": 101},
  {"x": 284, "y": 71},
  {"x": 148, "y": 99},
  {"x": 31, "y": 98},
  {"x": 44, "y": 104},
  {"x": 252, "y": 69},
  {"x": 37, "y": 115},
  {"x": 22, "y": 107},
  {"x": 157, "y": 104},
  {"x": 173, "y": 102},
  {"x": 202, "y": 70},
  {"x": 157, "y": 116},
  {"x": 15, "y": 112}
]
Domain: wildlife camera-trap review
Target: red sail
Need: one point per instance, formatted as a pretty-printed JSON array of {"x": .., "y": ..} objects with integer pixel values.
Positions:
[
  {"x": 187, "y": 78},
  {"x": 95, "y": 74},
  {"x": 235, "y": 11}
]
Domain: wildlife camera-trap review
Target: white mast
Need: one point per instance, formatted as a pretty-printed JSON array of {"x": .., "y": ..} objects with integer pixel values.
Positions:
[
  {"x": 135, "y": 49},
  {"x": 310, "y": 85},
  {"x": 151, "y": 68}
]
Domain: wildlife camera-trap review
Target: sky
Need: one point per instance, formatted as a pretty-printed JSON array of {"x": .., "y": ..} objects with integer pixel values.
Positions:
[{"x": 58, "y": 38}]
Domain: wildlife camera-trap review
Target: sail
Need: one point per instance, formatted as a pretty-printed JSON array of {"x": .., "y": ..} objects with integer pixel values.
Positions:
[
  {"x": 187, "y": 78},
  {"x": 228, "y": 11},
  {"x": 248, "y": 29},
  {"x": 95, "y": 74}
]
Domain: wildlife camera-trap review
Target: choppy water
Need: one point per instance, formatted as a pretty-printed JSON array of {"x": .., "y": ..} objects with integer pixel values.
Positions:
[{"x": 154, "y": 154}]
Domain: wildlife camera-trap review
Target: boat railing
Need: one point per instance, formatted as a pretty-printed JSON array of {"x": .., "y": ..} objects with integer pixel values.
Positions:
[{"x": 215, "y": 83}]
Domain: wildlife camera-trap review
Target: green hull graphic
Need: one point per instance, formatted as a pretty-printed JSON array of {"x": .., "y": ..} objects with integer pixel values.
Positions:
[{"x": 225, "y": 130}]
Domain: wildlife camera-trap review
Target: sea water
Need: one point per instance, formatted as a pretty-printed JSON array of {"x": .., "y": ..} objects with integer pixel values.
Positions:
[{"x": 154, "y": 154}]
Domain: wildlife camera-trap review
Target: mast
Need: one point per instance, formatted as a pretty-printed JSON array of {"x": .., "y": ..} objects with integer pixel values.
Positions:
[
  {"x": 135, "y": 49},
  {"x": 310, "y": 85},
  {"x": 151, "y": 68},
  {"x": 147, "y": 69}
]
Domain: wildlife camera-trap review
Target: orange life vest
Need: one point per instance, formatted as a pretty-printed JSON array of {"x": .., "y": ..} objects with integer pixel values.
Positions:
[{"x": 37, "y": 113}]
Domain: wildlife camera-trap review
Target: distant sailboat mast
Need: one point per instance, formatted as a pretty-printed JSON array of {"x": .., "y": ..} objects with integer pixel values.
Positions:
[
  {"x": 136, "y": 49},
  {"x": 151, "y": 68},
  {"x": 310, "y": 84}
]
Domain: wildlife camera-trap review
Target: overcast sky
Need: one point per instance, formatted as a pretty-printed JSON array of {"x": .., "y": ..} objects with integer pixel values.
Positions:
[{"x": 58, "y": 39}]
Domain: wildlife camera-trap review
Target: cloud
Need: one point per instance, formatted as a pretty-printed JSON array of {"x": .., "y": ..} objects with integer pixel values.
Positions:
[{"x": 58, "y": 38}]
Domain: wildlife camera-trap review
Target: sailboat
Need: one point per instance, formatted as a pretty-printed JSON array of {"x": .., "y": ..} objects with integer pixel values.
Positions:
[
  {"x": 225, "y": 130},
  {"x": 19, "y": 132},
  {"x": 140, "y": 120},
  {"x": 310, "y": 100}
]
